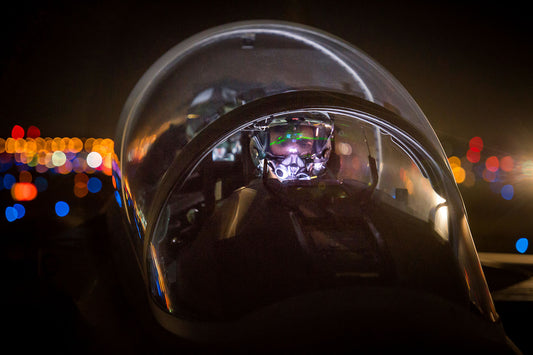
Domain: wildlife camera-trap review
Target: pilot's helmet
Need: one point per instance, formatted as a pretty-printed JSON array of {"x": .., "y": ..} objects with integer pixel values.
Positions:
[
  {"x": 278, "y": 185},
  {"x": 293, "y": 147}
]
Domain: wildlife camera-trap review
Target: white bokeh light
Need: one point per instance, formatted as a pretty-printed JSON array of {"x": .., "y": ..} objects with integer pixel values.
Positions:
[
  {"x": 94, "y": 160},
  {"x": 58, "y": 158}
]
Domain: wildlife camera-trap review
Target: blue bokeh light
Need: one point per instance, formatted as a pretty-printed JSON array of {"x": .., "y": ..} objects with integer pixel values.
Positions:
[
  {"x": 94, "y": 185},
  {"x": 62, "y": 208},
  {"x": 11, "y": 214},
  {"x": 21, "y": 211},
  {"x": 521, "y": 245},
  {"x": 41, "y": 183},
  {"x": 507, "y": 192},
  {"x": 9, "y": 180}
]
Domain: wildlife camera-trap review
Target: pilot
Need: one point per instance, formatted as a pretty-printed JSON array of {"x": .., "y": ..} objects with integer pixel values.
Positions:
[{"x": 295, "y": 148}]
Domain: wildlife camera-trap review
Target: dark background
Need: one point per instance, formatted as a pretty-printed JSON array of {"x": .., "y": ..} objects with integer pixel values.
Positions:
[{"x": 68, "y": 67}]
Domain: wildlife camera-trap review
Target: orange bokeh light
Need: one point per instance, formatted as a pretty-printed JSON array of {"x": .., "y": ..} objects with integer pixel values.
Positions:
[
  {"x": 492, "y": 164},
  {"x": 507, "y": 163},
  {"x": 80, "y": 189},
  {"x": 459, "y": 174},
  {"x": 25, "y": 176},
  {"x": 23, "y": 191}
]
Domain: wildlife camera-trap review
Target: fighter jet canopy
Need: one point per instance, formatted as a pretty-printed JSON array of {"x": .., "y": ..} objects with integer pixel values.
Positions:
[{"x": 271, "y": 172}]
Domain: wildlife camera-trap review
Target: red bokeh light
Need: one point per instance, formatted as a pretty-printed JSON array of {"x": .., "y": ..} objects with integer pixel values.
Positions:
[
  {"x": 473, "y": 156},
  {"x": 476, "y": 144},
  {"x": 33, "y": 132},
  {"x": 17, "y": 132}
]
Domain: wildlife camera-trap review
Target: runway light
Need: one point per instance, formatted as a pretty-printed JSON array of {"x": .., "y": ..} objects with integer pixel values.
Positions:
[
  {"x": 62, "y": 208},
  {"x": 507, "y": 192},
  {"x": 11, "y": 214},
  {"x": 521, "y": 245}
]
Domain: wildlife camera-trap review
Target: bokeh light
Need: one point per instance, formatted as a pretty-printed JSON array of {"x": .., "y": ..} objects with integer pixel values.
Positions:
[
  {"x": 9, "y": 180},
  {"x": 62, "y": 208},
  {"x": 94, "y": 159},
  {"x": 79, "y": 165},
  {"x": 33, "y": 132},
  {"x": 454, "y": 161},
  {"x": 470, "y": 179},
  {"x": 65, "y": 169},
  {"x": 23, "y": 191},
  {"x": 80, "y": 185},
  {"x": 507, "y": 192},
  {"x": 11, "y": 213},
  {"x": 75, "y": 145},
  {"x": 21, "y": 211},
  {"x": 507, "y": 163},
  {"x": 17, "y": 132},
  {"x": 58, "y": 158},
  {"x": 81, "y": 177},
  {"x": 527, "y": 167},
  {"x": 489, "y": 176},
  {"x": 473, "y": 156},
  {"x": 476, "y": 144},
  {"x": 80, "y": 189},
  {"x": 94, "y": 185},
  {"x": 521, "y": 245},
  {"x": 492, "y": 164},
  {"x": 25, "y": 176},
  {"x": 41, "y": 183},
  {"x": 459, "y": 174}
]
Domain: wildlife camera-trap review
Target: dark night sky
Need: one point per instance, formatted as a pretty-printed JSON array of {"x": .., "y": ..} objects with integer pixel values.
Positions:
[{"x": 69, "y": 68}]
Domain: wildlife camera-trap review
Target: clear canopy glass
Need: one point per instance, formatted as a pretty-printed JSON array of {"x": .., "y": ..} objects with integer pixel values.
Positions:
[{"x": 219, "y": 234}]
